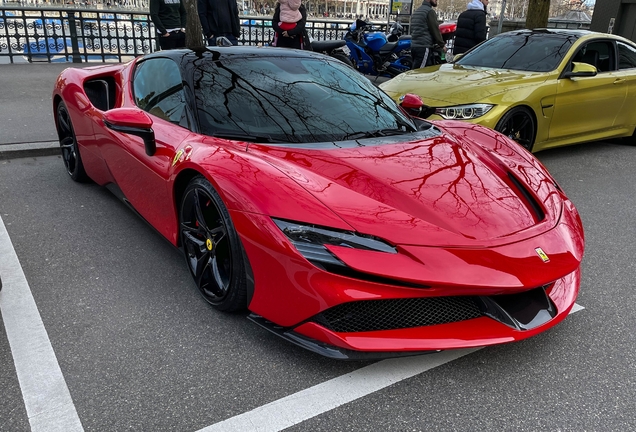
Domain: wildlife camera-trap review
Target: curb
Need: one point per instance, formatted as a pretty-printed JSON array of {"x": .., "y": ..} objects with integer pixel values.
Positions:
[{"x": 22, "y": 150}]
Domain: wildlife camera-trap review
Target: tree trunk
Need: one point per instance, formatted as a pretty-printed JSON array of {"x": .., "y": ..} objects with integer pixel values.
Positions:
[
  {"x": 538, "y": 11},
  {"x": 194, "y": 32}
]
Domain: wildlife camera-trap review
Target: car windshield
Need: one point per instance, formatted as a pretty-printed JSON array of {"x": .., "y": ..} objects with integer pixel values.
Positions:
[
  {"x": 535, "y": 52},
  {"x": 292, "y": 99}
]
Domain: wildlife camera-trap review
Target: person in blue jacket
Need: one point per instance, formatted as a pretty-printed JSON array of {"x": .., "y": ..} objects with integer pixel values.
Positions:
[{"x": 471, "y": 27}]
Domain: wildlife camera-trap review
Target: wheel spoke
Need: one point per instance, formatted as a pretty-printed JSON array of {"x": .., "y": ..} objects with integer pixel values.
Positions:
[
  {"x": 524, "y": 123},
  {"x": 67, "y": 143},
  {"x": 194, "y": 241},
  {"x": 197, "y": 255},
  {"x": 64, "y": 124},
  {"x": 201, "y": 263},
  {"x": 199, "y": 211},
  {"x": 218, "y": 233},
  {"x": 217, "y": 276},
  {"x": 192, "y": 230}
]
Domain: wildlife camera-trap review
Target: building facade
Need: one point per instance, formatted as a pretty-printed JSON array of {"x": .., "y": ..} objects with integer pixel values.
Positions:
[{"x": 615, "y": 16}]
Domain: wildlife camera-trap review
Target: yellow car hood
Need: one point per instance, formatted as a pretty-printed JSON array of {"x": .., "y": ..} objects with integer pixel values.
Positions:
[{"x": 454, "y": 84}]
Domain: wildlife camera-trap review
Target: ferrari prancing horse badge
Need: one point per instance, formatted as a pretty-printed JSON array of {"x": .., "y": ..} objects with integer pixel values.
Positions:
[{"x": 542, "y": 255}]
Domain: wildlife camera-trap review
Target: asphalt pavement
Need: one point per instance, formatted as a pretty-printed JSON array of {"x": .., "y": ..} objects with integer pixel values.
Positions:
[{"x": 140, "y": 349}]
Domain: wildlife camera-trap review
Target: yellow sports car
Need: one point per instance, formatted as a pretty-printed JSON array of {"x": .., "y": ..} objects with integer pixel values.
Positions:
[{"x": 543, "y": 88}]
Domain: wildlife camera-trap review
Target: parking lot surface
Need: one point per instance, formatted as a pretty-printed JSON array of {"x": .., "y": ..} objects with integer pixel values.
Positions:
[{"x": 140, "y": 350}]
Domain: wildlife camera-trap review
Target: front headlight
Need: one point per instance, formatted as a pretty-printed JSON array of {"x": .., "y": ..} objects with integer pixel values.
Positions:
[
  {"x": 463, "y": 112},
  {"x": 310, "y": 240}
]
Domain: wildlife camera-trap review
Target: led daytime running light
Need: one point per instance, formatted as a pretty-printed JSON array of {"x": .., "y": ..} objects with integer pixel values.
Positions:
[
  {"x": 319, "y": 236},
  {"x": 463, "y": 112}
]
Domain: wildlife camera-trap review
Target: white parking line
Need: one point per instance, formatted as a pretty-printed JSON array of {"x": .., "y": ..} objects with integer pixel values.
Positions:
[
  {"x": 309, "y": 403},
  {"x": 46, "y": 397}
]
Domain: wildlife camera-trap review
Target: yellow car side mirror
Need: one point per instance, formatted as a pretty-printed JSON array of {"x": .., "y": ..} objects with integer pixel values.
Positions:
[{"x": 581, "y": 70}]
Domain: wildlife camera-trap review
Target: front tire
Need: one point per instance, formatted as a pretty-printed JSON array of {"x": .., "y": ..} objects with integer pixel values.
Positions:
[
  {"x": 68, "y": 145},
  {"x": 212, "y": 248},
  {"x": 519, "y": 125}
]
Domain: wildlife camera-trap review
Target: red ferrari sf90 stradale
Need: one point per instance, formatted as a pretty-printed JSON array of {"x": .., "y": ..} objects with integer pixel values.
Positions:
[{"x": 303, "y": 193}]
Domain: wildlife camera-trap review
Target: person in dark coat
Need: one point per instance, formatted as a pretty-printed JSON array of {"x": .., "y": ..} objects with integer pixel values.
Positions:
[
  {"x": 219, "y": 18},
  {"x": 169, "y": 17},
  {"x": 471, "y": 27},
  {"x": 294, "y": 38},
  {"x": 426, "y": 39}
]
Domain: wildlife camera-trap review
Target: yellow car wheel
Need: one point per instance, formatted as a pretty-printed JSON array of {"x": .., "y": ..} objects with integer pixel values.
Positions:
[{"x": 519, "y": 125}]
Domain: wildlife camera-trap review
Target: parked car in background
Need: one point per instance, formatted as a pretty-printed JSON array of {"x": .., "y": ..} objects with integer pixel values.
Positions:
[
  {"x": 542, "y": 88},
  {"x": 300, "y": 191}
]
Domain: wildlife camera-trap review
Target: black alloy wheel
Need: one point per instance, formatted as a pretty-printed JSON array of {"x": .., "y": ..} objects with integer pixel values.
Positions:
[
  {"x": 518, "y": 124},
  {"x": 212, "y": 248},
  {"x": 68, "y": 144}
]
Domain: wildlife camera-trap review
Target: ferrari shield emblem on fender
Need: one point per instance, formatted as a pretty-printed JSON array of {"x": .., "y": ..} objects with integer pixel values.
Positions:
[
  {"x": 542, "y": 255},
  {"x": 177, "y": 157}
]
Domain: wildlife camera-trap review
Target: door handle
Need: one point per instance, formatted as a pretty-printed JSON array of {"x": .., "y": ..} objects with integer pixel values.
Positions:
[{"x": 619, "y": 81}]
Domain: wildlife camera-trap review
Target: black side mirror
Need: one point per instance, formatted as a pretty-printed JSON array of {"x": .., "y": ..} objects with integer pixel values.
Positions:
[{"x": 132, "y": 121}]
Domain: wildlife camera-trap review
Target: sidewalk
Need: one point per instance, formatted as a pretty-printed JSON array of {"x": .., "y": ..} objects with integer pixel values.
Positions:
[{"x": 27, "y": 126}]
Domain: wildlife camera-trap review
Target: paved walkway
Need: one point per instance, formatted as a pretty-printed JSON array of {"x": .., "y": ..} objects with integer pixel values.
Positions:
[{"x": 27, "y": 126}]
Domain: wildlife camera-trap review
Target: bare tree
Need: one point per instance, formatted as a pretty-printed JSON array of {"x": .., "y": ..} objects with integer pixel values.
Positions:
[
  {"x": 538, "y": 12},
  {"x": 194, "y": 32}
]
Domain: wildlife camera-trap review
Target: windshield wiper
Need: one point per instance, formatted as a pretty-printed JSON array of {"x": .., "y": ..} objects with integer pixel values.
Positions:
[
  {"x": 237, "y": 136},
  {"x": 375, "y": 133}
]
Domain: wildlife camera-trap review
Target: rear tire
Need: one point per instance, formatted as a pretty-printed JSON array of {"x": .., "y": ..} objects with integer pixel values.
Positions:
[
  {"x": 343, "y": 58},
  {"x": 68, "y": 144},
  {"x": 519, "y": 125}
]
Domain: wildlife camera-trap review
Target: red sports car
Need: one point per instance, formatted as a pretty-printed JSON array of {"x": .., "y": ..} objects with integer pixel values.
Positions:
[{"x": 302, "y": 192}]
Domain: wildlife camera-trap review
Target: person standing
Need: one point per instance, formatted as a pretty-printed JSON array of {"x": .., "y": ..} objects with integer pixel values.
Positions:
[
  {"x": 169, "y": 17},
  {"x": 294, "y": 37},
  {"x": 289, "y": 14},
  {"x": 471, "y": 26},
  {"x": 426, "y": 39},
  {"x": 219, "y": 18}
]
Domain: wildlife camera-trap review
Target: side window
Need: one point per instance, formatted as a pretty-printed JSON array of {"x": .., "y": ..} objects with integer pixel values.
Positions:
[
  {"x": 599, "y": 54},
  {"x": 626, "y": 56},
  {"x": 158, "y": 89}
]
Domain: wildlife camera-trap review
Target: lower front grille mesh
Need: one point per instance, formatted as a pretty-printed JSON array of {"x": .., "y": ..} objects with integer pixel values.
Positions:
[{"x": 370, "y": 315}]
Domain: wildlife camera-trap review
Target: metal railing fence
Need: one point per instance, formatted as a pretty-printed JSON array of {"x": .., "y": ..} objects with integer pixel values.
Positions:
[{"x": 83, "y": 35}]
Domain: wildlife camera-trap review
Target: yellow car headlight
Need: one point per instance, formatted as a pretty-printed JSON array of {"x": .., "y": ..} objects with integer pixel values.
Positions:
[{"x": 463, "y": 112}]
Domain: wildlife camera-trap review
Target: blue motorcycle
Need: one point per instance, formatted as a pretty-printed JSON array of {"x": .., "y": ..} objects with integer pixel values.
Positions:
[{"x": 376, "y": 53}]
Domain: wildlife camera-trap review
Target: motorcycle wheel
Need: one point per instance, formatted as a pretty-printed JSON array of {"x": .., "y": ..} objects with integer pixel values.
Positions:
[
  {"x": 343, "y": 58},
  {"x": 407, "y": 61}
]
